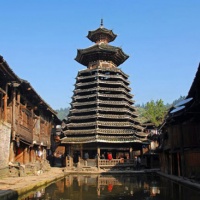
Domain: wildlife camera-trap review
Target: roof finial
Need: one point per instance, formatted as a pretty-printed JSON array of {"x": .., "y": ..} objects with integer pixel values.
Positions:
[{"x": 101, "y": 23}]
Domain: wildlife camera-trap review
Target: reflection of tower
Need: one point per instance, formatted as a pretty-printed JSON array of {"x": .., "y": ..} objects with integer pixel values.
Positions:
[{"x": 102, "y": 108}]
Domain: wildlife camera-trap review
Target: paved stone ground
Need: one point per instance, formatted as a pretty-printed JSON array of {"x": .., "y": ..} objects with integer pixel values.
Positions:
[{"x": 12, "y": 187}]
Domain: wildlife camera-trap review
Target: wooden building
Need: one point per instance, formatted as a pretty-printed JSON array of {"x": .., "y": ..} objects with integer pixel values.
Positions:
[
  {"x": 102, "y": 119},
  {"x": 180, "y": 139},
  {"x": 150, "y": 155},
  {"x": 26, "y": 120}
]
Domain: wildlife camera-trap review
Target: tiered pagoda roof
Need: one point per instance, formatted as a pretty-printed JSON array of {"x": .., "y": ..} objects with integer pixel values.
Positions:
[{"x": 102, "y": 109}]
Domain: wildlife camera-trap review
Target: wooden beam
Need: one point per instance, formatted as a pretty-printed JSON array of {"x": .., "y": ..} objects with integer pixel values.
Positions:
[
  {"x": 3, "y": 91},
  {"x": 5, "y": 108}
]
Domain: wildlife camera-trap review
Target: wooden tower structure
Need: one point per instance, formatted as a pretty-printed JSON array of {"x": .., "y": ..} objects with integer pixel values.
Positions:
[{"x": 102, "y": 117}]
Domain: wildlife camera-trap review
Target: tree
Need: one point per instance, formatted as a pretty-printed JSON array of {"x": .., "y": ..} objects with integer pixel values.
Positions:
[
  {"x": 155, "y": 112},
  {"x": 62, "y": 113},
  {"x": 178, "y": 100}
]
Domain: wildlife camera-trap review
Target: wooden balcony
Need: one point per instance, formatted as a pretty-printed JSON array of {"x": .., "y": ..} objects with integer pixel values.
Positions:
[{"x": 24, "y": 132}]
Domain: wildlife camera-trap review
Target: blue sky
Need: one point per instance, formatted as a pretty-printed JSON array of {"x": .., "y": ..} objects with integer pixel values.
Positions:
[{"x": 39, "y": 40}]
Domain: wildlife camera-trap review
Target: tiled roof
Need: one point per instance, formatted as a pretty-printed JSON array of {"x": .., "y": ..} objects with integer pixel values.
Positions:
[
  {"x": 101, "y": 51},
  {"x": 95, "y": 34},
  {"x": 103, "y": 139}
]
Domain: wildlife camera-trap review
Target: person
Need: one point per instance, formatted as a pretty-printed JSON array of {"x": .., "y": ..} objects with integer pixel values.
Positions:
[
  {"x": 109, "y": 156},
  {"x": 138, "y": 162},
  {"x": 76, "y": 158},
  {"x": 39, "y": 153},
  {"x": 135, "y": 162},
  {"x": 97, "y": 156},
  {"x": 103, "y": 156},
  {"x": 110, "y": 187},
  {"x": 86, "y": 156}
]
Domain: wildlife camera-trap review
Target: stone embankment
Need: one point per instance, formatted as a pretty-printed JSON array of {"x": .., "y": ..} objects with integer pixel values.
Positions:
[
  {"x": 182, "y": 180},
  {"x": 13, "y": 187}
]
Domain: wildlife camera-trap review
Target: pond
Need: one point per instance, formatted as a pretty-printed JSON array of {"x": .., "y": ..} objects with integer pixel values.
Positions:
[{"x": 126, "y": 186}]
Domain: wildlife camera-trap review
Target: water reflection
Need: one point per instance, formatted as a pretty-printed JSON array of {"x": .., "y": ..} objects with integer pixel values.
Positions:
[{"x": 127, "y": 186}]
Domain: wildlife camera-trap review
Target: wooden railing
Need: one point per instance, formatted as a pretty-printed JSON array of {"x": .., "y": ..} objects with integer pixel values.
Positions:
[
  {"x": 116, "y": 162},
  {"x": 103, "y": 163}
]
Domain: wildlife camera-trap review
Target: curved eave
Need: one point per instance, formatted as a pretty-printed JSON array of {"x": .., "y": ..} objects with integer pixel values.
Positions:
[
  {"x": 23, "y": 84},
  {"x": 83, "y": 140},
  {"x": 102, "y": 69},
  {"x": 101, "y": 52},
  {"x": 92, "y": 35},
  {"x": 7, "y": 72}
]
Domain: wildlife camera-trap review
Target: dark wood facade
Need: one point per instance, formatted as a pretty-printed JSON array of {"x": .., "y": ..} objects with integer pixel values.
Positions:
[
  {"x": 180, "y": 138},
  {"x": 102, "y": 118},
  {"x": 28, "y": 117}
]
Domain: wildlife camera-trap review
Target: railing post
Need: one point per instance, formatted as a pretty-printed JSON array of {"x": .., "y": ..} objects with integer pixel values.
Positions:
[
  {"x": 98, "y": 158},
  {"x": 98, "y": 162}
]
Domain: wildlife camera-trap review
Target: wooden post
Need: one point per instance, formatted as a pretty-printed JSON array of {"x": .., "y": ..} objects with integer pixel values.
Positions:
[
  {"x": 141, "y": 152},
  {"x": 170, "y": 163},
  {"x": 98, "y": 157},
  {"x": 81, "y": 148},
  {"x": 12, "y": 155},
  {"x": 13, "y": 113},
  {"x": 178, "y": 159},
  {"x": 131, "y": 152},
  {"x": 182, "y": 151},
  {"x": 5, "y": 107},
  {"x": 5, "y": 104},
  {"x": 71, "y": 152},
  {"x": 25, "y": 156}
]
